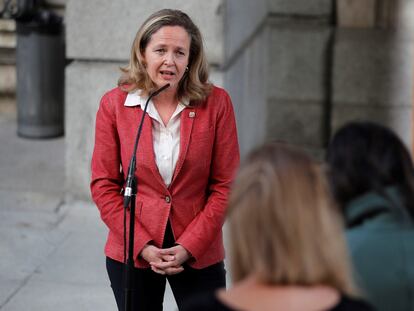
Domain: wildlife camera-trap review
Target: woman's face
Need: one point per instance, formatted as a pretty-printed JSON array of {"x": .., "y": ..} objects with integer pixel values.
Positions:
[{"x": 166, "y": 55}]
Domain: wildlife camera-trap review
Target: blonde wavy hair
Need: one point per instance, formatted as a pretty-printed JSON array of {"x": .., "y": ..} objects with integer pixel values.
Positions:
[
  {"x": 194, "y": 85},
  {"x": 284, "y": 227}
]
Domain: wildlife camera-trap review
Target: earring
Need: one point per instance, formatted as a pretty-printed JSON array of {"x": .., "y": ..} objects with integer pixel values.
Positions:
[{"x": 186, "y": 68}]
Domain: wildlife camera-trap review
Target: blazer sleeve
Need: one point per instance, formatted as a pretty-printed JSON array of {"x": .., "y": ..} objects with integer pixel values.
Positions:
[
  {"x": 205, "y": 227},
  {"x": 107, "y": 178}
]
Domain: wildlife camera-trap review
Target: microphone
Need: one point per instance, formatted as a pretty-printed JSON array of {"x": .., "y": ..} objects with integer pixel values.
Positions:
[{"x": 132, "y": 164}]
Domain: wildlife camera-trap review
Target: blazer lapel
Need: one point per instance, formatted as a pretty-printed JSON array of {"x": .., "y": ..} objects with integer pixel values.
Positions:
[
  {"x": 187, "y": 119},
  {"x": 147, "y": 147}
]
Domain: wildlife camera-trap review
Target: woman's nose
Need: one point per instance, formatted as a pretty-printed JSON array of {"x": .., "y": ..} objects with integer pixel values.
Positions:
[{"x": 169, "y": 59}]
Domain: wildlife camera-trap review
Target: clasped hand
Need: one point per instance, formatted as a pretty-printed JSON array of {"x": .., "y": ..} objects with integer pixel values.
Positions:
[{"x": 165, "y": 261}]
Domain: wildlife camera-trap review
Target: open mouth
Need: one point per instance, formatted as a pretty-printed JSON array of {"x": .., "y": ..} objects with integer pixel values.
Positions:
[{"x": 169, "y": 73}]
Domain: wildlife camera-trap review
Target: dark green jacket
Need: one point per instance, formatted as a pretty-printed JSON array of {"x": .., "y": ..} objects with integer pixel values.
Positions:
[{"x": 381, "y": 240}]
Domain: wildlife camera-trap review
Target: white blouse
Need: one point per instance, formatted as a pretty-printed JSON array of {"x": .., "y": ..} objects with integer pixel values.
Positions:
[{"x": 166, "y": 139}]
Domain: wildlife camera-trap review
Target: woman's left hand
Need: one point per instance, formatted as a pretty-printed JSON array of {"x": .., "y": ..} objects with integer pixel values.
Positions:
[{"x": 173, "y": 258}]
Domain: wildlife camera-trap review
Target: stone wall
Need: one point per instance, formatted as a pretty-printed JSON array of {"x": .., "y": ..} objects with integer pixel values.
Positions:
[
  {"x": 373, "y": 79},
  {"x": 298, "y": 75},
  {"x": 332, "y": 62},
  {"x": 373, "y": 64}
]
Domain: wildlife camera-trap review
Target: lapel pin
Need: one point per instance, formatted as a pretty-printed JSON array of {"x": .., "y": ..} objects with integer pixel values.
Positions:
[{"x": 191, "y": 114}]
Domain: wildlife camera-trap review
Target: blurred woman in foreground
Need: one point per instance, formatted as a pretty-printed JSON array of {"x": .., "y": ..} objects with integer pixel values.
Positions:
[{"x": 287, "y": 246}]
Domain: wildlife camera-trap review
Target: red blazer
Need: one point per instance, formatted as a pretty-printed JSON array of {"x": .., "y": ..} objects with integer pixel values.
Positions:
[{"x": 196, "y": 199}]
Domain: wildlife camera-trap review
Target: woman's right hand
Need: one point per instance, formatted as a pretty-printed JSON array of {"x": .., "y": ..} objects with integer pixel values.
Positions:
[{"x": 152, "y": 254}]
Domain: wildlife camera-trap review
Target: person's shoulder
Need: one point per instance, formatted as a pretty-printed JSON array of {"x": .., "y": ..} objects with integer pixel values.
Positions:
[
  {"x": 218, "y": 100},
  {"x": 115, "y": 93},
  {"x": 354, "y": 304},
  {"x": 114, "y": 98},
  {"x": 217, "y": 91}
]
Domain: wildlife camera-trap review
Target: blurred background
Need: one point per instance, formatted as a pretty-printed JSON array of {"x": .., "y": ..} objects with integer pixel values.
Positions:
[{"x": 296, "y": 71}]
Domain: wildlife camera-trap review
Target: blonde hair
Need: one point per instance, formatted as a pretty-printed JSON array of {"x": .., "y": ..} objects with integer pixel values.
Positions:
[
  {"x": 284, "y": 228},
  {"x": 194, "y": 85}
]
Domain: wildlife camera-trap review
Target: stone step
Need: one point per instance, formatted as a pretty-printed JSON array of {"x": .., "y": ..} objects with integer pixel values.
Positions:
[
  {"x": 7, "y": 59},
  {"x": 7, "y": 25},
  {"x": 8, "y": 79},
  {"x": 7, "y": 40},
  {"x": 7, "y": 33},
  {"x": 7, "y": 56}
]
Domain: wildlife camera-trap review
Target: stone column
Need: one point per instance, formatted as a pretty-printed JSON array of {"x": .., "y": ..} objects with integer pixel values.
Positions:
[
  {"x": 298, "y": 72},
  {"x": 373, "y": 64}
]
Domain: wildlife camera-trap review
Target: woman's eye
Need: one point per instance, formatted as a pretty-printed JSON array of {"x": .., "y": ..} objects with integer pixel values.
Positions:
[
  {"x": 160, "y": 51},
  {"x": 181, "y": 53}
]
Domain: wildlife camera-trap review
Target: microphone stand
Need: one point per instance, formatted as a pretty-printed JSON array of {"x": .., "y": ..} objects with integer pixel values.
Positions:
[{"x": 131, "y": 189}]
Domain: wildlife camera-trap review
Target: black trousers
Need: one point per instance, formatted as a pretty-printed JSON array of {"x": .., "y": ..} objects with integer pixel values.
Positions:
[{"x": 149, "y": 287}]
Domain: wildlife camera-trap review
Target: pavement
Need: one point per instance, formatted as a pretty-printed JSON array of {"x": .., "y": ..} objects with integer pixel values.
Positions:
[{"x": 51, "y": 248}]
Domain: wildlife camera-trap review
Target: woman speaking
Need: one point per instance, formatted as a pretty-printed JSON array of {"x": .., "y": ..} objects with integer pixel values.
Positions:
[{"x": 186, "y": 159}]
